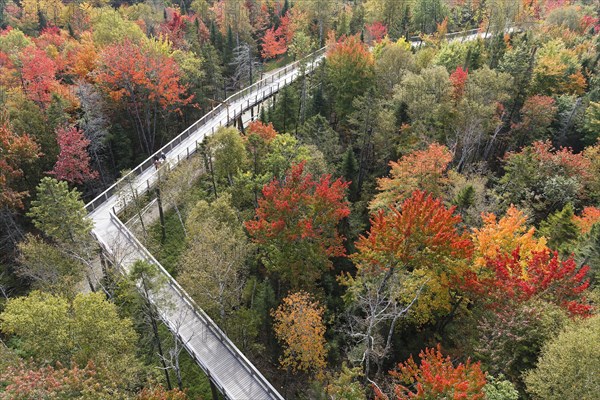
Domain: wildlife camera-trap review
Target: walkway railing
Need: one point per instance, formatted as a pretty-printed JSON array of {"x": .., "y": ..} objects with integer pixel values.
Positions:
[{"x": 198, "y": 313}]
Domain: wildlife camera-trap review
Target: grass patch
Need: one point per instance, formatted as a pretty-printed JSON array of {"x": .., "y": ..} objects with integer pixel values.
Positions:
[
  {"x": 277, "y": 63},
  {"x": 169, "y": 251}
]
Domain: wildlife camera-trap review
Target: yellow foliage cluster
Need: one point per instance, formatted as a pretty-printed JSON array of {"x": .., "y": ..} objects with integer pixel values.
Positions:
[
  {"x": 299, "y": 327},
  {"x": 505, "y": 235}
]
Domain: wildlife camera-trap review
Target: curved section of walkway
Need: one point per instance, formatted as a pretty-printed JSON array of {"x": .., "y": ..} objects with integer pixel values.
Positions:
[{"x": 225, "y": 365}]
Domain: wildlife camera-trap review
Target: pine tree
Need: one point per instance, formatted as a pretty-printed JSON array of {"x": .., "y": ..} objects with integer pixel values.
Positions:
[
  {"x": 560, "y": 230},
  {"x": 465, "y": 198},
  {"x": 350, "y": 173},
  {"x": 59, "y": 212}
]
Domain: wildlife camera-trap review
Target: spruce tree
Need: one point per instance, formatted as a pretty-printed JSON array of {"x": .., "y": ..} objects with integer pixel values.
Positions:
[{"x": 560, "y": 230}]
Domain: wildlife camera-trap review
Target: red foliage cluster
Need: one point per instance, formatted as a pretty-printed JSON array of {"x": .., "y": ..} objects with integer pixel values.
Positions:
[
  {"x": 39, "y": 75},
  {"x": 563, "y": 159},
  {"x": 174, "y": 27},
  {"x": 275, "y": 41},
  {"x": 423, "y": 223},
  {"x": 73, "y": 164},
  {"x": 298, "y": 207},
  {"x": 544, "y": 275},
  {"x": 459, "y": 80},
  {"x": 587, "y": 22},
  {"x": 377, "y": 31},
  {"x": 436, "y": 378},
  {"x": 48, "y": 382}
]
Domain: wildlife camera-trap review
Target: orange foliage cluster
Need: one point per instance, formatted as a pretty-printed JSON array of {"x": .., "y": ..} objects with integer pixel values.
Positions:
[
  {"x": 419, "y": 170},
  {"x": 137, "y": 76},
  {"x": 15, "y": 150},
  {"x": 299, "y": 327},
  {"x": 276, "y": 41},
  {"x": 422, "y": 234},
  {"x": 589, "y": 217},
  {"x": 265, "y": 131},
  {"x": 504, "y": 236},
  {"x": 436, "y": 378}
]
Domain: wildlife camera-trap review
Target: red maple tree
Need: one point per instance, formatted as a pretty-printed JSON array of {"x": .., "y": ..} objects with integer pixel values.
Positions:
[
  {"x": 296, "y": 224},
  {"x": 265, "y": 131},
  {"x": 459, "y": 81},
  {"x": 377, "y": 31},
  {"x": 38, "y": 74},
  {"x": 273, "y": 43},
  {"x": 544, "y": 275},
  {"x": 436, "y": 378},
  {"x": 73, "y": 164}
]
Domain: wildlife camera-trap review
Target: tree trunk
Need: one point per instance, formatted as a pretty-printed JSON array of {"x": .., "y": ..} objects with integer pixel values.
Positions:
[{"x": 161, "y": 215}]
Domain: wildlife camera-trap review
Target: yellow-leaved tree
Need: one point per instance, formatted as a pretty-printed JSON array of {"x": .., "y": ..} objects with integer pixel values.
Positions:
[
  {"x": 504, "y": 236},
  {"x": 300, "y": 329}
]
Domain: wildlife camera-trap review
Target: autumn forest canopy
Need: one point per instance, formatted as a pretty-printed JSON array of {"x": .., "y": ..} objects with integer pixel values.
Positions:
[{"x": 416, "y": 218}]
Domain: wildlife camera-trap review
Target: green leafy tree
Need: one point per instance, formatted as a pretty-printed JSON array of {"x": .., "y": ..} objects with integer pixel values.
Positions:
[
  {"x": 510, "y": 340},
  {"x": 500, "y": 389},
  {"x": 51, "y": 328},
  {"x": 285, "y": 112},
  {"x": 568, "y": 368},
  {"x": 317, "y": 132},
  {"x": 392, "y": 62},
  {"x": 47, "y": 267},
  {"x": 345, "y": 385},
  {"x": 213, "y": 267},
  {"x": 426, "y": 14},
  {"x": 227, "y": 149}
]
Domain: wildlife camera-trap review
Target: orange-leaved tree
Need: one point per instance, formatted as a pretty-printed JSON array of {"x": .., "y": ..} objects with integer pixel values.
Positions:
[
  {"x": 300, "y": 329},
  {"x": 273, "y": 44},
  {"x": 296, "y": 225},
  {"x": 505, "y": 235},
  {"x": 350, "y": 71},
  {"x": 423, "y": 243},
  {"x": 436, "y": 377},
  {"x": 419, "y": 170},
  {"x": 589, "y": 217},
  {"x": 146, "y": 82},
  {"x": 15, "y": 150}
]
